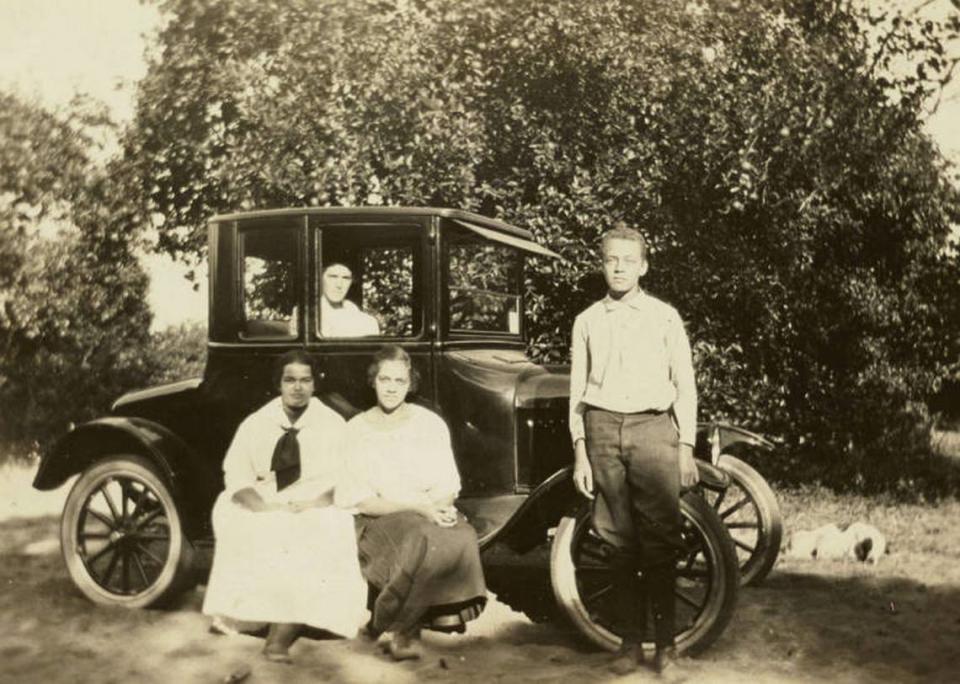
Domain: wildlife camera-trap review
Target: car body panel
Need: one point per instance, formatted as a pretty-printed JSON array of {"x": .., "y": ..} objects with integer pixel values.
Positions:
[
  {"x": 507, "y": 415},
  {"x": 193, "y": 479}
]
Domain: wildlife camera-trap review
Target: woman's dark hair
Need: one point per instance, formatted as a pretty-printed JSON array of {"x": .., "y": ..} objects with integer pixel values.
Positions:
[
  {"x": 393, "y": 353},
  {"x": 292, "y": 356}
]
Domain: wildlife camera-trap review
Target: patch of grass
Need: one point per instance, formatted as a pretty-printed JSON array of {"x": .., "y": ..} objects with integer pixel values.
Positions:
[{"x": 920, "y": 528}]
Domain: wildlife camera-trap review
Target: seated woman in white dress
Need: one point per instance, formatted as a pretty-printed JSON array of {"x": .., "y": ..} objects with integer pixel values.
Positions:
[
  {"x": 285, "y": 554},
  {"x": 419, "y": 555}
]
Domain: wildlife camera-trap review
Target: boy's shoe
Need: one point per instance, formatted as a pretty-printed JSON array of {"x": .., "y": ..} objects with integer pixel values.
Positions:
[
  {"x": 628, "y": 658},
  {"x": 664, "y": 659}
]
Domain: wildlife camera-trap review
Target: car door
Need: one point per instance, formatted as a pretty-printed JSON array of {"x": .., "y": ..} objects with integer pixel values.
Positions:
[
  {"x": 389, "y": 301},
  {"x": 257, "y": 271}
]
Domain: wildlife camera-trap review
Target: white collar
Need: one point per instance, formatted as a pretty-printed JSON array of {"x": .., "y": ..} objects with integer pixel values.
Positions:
[
  {"x": 345, "y": 305},
  {"x": 634, "y": 301},
  {"x": 306, "y": 418}
]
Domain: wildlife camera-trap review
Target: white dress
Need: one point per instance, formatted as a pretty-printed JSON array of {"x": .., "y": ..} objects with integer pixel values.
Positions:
[{"x": 282, "y": 566}]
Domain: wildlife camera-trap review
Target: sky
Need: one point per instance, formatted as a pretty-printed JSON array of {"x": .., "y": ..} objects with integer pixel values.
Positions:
[{"x": 52, "y": 49}]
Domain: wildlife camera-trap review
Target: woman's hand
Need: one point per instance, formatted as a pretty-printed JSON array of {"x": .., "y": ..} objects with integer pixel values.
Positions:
[
  {"x": 251, "y": 500},
  {"x": 444, "y": 516},
  {"x": 321, "y": 501},
  {"x": 262, "y": 506}
]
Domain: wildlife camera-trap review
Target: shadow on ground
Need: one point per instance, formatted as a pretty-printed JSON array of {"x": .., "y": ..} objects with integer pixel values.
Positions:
[{"x": 899, "y": 621}]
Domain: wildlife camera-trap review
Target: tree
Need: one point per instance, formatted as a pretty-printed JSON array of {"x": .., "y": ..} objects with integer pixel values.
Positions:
[
  {"x": 74, "y": 324},
  {"x": 797, "y": 215}
]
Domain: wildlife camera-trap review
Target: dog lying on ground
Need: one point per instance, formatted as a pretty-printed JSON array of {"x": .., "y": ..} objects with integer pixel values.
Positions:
[{"x": 859, "y": 542}]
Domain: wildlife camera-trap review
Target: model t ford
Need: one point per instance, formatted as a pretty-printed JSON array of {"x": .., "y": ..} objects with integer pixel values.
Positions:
[{"x": 447, "y": 286}]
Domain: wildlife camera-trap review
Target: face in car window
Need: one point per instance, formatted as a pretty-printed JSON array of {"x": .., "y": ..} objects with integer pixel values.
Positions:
[
  {"x": 337, "y": 279},
  {"x": 339, "y": 317}
]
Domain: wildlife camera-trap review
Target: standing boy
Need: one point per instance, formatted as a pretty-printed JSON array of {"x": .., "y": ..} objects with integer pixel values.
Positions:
[{"x": 633, "y": 411}]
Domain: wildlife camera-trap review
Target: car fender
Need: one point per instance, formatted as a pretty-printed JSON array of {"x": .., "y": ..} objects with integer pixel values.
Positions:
[
  {"x": 556, "y": 497},
  {"x": 193, "y": 484},
  {"x": 715, "y": 437},
  {"x": 540, "y": 511}
]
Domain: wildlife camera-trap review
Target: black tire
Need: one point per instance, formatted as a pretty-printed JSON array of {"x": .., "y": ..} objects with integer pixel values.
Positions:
[
  {"x": 707, "y": 579},
  {"x": 122, "y": 537},
  {"x": 751, "y": 513}
]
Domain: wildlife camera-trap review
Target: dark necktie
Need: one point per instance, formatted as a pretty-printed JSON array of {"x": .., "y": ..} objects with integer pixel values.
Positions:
[{"x": 286, "y": 458}]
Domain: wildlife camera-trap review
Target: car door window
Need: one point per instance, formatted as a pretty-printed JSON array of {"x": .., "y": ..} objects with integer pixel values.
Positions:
[
  {"x": 268, "y": 261},
  {"x": 367, "y": 282},
  {"x": 388, "y": 287},
  {"x": 484, "y": 284}
]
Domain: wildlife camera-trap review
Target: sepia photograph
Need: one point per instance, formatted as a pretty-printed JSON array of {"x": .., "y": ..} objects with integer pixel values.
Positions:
[{"x": 389, "y": 341}]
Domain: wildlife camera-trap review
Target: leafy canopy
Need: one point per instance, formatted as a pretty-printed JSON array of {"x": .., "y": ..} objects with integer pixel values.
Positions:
[
  {"x": 73, "y": 315},
  {"x": 798, "y": 216}
]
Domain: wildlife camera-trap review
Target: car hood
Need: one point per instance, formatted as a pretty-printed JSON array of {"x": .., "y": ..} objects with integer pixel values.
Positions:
[
  {"x": 509, "y": 371},
  {"x": 151, "y": 395}
]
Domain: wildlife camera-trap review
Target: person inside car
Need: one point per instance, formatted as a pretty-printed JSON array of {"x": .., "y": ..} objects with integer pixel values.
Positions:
[
  {"x": 419, "y": 554},
  {"x": 633, "y": 408},
  {"x": 285, "y": 554},
  {"x": 339, "y": 317}
]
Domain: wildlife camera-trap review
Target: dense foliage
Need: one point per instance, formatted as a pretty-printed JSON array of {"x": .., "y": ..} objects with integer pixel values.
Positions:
[
  {"x": 73, "y": 315},
  {"x": 798, "y": 216},
  {"x": 179, "y": 352}
]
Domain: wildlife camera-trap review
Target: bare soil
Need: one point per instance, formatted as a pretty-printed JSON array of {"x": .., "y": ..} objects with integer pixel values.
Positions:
[{"x": 898, "y": 621}]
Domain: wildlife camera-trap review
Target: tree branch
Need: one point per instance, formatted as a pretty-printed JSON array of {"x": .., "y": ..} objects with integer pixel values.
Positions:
[
  {"x": 923, "y": 5},
  {"x": 943, "y": 85}
]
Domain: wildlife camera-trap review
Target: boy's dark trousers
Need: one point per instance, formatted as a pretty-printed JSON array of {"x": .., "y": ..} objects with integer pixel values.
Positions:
[{"x": 636, "y": 475}]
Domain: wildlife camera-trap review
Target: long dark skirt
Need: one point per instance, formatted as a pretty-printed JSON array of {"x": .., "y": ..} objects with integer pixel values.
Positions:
[{"x": 422, "y": 573}]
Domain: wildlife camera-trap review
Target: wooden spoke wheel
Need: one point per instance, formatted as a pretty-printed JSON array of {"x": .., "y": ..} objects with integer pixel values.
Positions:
[
  {"x": 121, "y": 535},
  {"x": 751, "y": 513},
  {"x": 706, "y": 588}
]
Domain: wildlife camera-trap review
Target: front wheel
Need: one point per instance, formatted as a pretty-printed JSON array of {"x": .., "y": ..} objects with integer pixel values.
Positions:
[
  {"x": 751, "y": 513},
  {"x": 122, "y": 537},
  {"x": 706, "y": 589}
]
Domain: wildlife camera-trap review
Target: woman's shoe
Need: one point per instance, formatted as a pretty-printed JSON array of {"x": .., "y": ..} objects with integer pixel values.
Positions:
[
  {"x": 279, "y": 639},
  {"x": 405, "y": 647},
  {"x": 223, "y": 626},
  {"x": 276, "y": 654}
]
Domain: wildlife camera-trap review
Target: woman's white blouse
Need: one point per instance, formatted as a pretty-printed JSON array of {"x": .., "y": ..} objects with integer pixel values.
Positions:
[
  {"x": 408, "y": 462},
  {"x": 321, "y": 433}
]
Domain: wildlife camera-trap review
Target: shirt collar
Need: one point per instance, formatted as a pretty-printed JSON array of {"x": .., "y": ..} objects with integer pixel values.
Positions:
[
  {"x": 303, "y": 421},
  {"x": 634, "y": 301},
  {"x": 327, "y": 307}
]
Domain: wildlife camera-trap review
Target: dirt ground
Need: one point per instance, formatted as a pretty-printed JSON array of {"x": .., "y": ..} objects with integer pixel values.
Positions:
[{"x": 810, "y": 621}]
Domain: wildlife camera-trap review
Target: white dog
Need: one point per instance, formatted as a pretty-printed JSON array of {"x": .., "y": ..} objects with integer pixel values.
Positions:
[
  {"x": 859, "y": 542},
  {"x": 869, "y": 544}
]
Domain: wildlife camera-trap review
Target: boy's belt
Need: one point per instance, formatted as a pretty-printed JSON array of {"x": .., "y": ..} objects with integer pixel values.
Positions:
[{"x": 648, "y": 412}]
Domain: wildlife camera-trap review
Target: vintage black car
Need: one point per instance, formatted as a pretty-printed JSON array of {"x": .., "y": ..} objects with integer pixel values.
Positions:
[{"x": 447, "y": 286}]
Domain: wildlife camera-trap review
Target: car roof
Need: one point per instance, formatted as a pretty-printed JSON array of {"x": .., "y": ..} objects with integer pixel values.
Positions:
[{"x": 456, "y": 214}]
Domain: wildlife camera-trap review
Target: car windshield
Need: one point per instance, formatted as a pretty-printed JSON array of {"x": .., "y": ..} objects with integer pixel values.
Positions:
[{"x": 484, "y": 281}]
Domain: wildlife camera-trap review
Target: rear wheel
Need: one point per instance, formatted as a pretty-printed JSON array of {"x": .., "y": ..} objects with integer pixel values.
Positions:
[
  {"x": 706, "y": 589},
  {"x": 751, "y": 513},
  {"x": 122, "y": 536}
]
